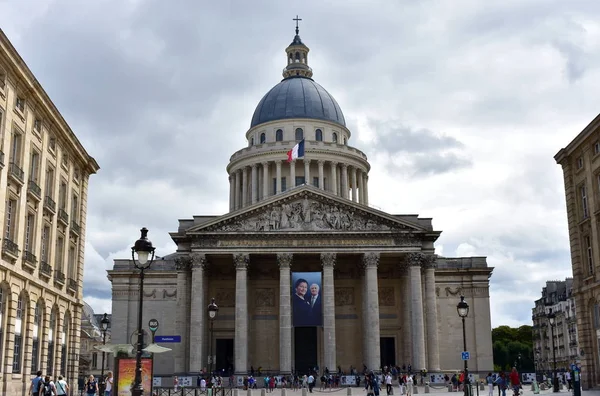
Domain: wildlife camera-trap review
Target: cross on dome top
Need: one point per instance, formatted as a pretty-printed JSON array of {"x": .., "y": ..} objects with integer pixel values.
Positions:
[
  {"x": 297, "y": 56},
  {"x": 297, "y": 20}
]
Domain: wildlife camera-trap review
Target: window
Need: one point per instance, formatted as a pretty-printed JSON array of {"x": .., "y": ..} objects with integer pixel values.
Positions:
[
  {"x": 584, "y": 201},
  {"x": 37, "y": 328},
  {"x": 10, "y": 219},
  {"x": 60, "y": 248},
  {"x": 37, "y": 126},
  {"x": 251, "y": 141},
  {"x": 76, "y": 175},
  {"x": 2, "y": 306},
  {"x": 263, "y": 138},
  {"x": 75, "y": 208},
  {"x": 19, "y": 324},
  {"x": 15, "y": 148},
  {"x": 65, "y": 160},
  {"x": 315, "y": 181},
  {"x": 283, "y": 184},
  {"x": 52, "y": 144},
  {"x": 345, "y": 141},
  {"x": 334, "y": 138},
  {"x": 34, "y": 166},
  {"x": 72, "y": 264},
  {"x": 299, "y": 134},
  {"x": 319, "y": 135},
  {"x": 94, "y": 360},
  {"x": 279, "y": 135},
  {"x": 299, "y": 180},
  {"x": 589, "y": 254},
  {"x": 50, "y": 182},
  {"x": 596, "y": 148},
  {"x": 30, "y": 232},
  {"x": 579, "y": 162},
  {"x": 62, "y": 195},
  {"x": 45, "y": 244},
  {"x": 51, "y": 330},
  {"x": 63, "y": 349},
  {"x": 20, "y": 104},
  {"x": 2, "y": 80}
]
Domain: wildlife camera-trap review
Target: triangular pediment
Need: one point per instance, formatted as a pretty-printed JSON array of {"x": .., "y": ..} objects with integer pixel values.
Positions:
[{"x": 306, "y": 209}]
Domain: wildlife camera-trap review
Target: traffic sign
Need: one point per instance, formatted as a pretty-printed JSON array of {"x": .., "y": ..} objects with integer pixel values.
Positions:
[
  {"x": 153, "y": 324},
  {"x": 465, "y": 355},
  {"x": 163, "y": 339}
]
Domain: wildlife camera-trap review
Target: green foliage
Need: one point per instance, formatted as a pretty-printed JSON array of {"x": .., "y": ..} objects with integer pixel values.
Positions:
[{"x": 508, "y": 343}]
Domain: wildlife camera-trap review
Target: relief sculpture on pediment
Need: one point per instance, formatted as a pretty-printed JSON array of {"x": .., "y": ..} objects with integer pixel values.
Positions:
[
  {"x": 226, "y": 297},
  {"x": 308, "y": 215},
  {"x": 264, "y": 298},
  {"x": 344, "y": 296}
]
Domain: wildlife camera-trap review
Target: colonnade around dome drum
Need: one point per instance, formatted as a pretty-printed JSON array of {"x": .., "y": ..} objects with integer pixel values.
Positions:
[{"x": 253, "y": 183}]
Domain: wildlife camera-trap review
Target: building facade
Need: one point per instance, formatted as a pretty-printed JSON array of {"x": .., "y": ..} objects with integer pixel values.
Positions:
[
  {"x": 558, "y": 297},
  {"x": 580, "y": 162},
  {"x": 90, "y": 358},
  {"x": 382, "y": 295},
  {"x": 43, "y": 196}
]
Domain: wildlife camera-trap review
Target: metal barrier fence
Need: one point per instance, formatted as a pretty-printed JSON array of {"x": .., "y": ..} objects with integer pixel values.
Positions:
[{"x": 160, "y": 391}]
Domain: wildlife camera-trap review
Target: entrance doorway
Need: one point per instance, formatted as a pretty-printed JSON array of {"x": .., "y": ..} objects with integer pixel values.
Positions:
[
  {"x": 305, "y": 349},
  {"x": 224, "y": 354},
  {"x": 387, "y": 351}
]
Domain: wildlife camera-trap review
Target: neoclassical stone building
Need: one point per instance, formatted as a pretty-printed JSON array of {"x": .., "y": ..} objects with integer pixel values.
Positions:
[
  {"x": 386, "y": 297},
  {"x": 44, "y": 174}
]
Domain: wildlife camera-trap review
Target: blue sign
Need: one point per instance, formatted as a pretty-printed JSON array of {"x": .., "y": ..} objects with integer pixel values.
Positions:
[
  {"x": 158, "y": 339},
  {"x": 465, "y": 355}
]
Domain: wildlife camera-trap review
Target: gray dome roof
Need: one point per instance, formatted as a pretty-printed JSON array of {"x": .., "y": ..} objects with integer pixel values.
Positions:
[{"x": 297, "y": 97}]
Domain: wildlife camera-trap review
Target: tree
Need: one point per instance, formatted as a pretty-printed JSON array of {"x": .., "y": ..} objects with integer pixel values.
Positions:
[{"x": 510, "y": 343}]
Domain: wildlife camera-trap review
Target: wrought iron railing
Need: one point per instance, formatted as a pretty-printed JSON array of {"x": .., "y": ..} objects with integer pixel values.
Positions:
[
  {"x": 33, "y": 188},
  {"x": 9, "y": 246},
  {"x": 45, "y": 269},
  {"x": 72, "y": 284},
  {"x": 63, "y": 216},
  {"x": 1, "y": 159},
  {"x": 30, "y": 258},
  {"x": 16, "y": 172},
  {"x": 75, "y": 227},
  {"x": 59, "y": 276},
  {"x": 50, "y": 204}
]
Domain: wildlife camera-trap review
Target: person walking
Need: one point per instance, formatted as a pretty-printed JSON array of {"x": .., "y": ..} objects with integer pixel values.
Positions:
[
  {"x": 409, "y": 385},
  {"x": 34, "y": 387},
  {"x": 490, "y": 383},
  {"x": 501, "y": 382},
  {"x": 91, "y": 386},
  {"x": 62, "y": 388},
  {"x": 109, "y": 384},
  {"x": 388, "y": 384}
]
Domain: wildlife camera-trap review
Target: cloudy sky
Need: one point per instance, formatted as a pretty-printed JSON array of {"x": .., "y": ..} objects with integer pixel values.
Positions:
[{"x": 460, "y": 106}]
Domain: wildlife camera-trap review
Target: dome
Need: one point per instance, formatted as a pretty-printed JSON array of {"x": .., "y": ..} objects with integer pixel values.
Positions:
[{"x": 297, "y": 97}]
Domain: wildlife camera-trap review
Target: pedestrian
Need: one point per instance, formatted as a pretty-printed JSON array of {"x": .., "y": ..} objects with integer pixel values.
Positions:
[
  {"x": 490, "y": 382},
  {"x": 388, "y": 384},
  {"x": 47, "y": 388},
  {"x": 311, "y": 383},
  {"x": 34, "y": 387},
  {"x": 409, "y": 385},
  {"x": 62, "y": 388},
  {"x": 501, "y": 382},
  {"x": 91, "y": 386},
  {"x": 109, "y": 384}
]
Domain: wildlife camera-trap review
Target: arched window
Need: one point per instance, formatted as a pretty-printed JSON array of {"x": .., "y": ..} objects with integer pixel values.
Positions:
[
  {"x": 2, "y": 325},
  {"x": 319, "y": 135},
  {"x": 37, "y": 335},
  {"x": 251, "y": 141},
  {"x": 263, "y": 138},
  {"x": 345, "y": 141},
  {"x": 51, "y": 334},
  {"x": 334, "y": 138},
  {"x": 297, "y": 56},
  {"x": 279, "y": 135},
  {"x": 299, "y": 134},
  {"x": 64, "y": 337},
  {"x": 19, "y": 332}
]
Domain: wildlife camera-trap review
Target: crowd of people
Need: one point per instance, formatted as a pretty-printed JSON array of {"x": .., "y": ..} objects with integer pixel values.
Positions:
[{"x": 45, "y": 386}]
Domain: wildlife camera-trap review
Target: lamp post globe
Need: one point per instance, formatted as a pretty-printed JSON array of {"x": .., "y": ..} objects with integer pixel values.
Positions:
[
  {"x": 462, "y": 308},
  {"x": 552, "y": 319},
  {"x": 103, "y": 328},
  {"x": 213, "y": 310},
  {"x": 144, "y": 251}
]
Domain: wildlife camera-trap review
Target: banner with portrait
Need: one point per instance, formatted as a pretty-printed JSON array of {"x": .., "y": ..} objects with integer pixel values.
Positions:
[{"x": 307, "y": 299}]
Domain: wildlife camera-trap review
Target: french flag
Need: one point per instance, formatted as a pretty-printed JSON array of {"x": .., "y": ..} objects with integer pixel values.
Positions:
[{"x": 296, "y": 152}]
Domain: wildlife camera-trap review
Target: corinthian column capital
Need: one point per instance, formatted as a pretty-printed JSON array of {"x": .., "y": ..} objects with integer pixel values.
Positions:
[
  {"x": 284, "y": 260},
  {"x": 198, "y": 260},
  {"x": 415, "y": 259},
  {"x": 371, "y": 260},
  {"x": 183, "y": 263},
  {"x": 241, "y": 260},
  {"x": 328, "y": 260}
]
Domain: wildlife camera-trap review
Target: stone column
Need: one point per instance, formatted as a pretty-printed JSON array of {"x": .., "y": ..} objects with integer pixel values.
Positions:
[
  {"x": 418, "y": 329},
  {"x": 371, "y": 309},
  {"x": 237, "y": 189},
  {"x": 328, "y": 296},
  {"x": 180, "y": 355},
  {"x": 293, "y": 174},
  {"x": 361, "y": 188},
  {"x": 265, "y": 167},
  {"x": 321, "y": 163},
  {"x": 433, "y": 357},
  {"x": 366, "y": 189},
  {"x": 231, "y": 193},
  {"x": 354, "y": 190},
  {"x": 285, "y": 313},
  {"x": 344, "y": 181},
  {"x": 197, "y": 314},
  {"x": 333, "y": 182},
  {"x": 278, "y": 176},
  {"x": 406, "y": 318},
  {"x": 307, "y": 171},
  {"x": 244, "y": 187},
  {"x": 241, "y": 313},
  {"x": 254, "y": 183}
]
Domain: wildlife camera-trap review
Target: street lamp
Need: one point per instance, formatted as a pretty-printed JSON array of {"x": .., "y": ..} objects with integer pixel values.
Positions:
[
  {"x": 463, "y": 310},
  {"x": 103, "y": 327},
  {"x": 551, "y": 318},
  {"x": 213, "y": 309},
  {"x": 145, "y": 256}
]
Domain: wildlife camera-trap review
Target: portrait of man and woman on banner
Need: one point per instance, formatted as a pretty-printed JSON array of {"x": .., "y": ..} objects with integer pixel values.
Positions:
[{"x": 307, "y": 302}]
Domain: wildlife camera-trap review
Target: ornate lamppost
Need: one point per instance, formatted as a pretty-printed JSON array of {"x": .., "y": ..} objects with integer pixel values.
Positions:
[
  {"x": 145, "y": 256},
  {"x": 103, "y": 327},
  {"x": 463, "y": 310},
  {"x": 213, "y": 309},
  {"x": 551, "y": 319}
]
